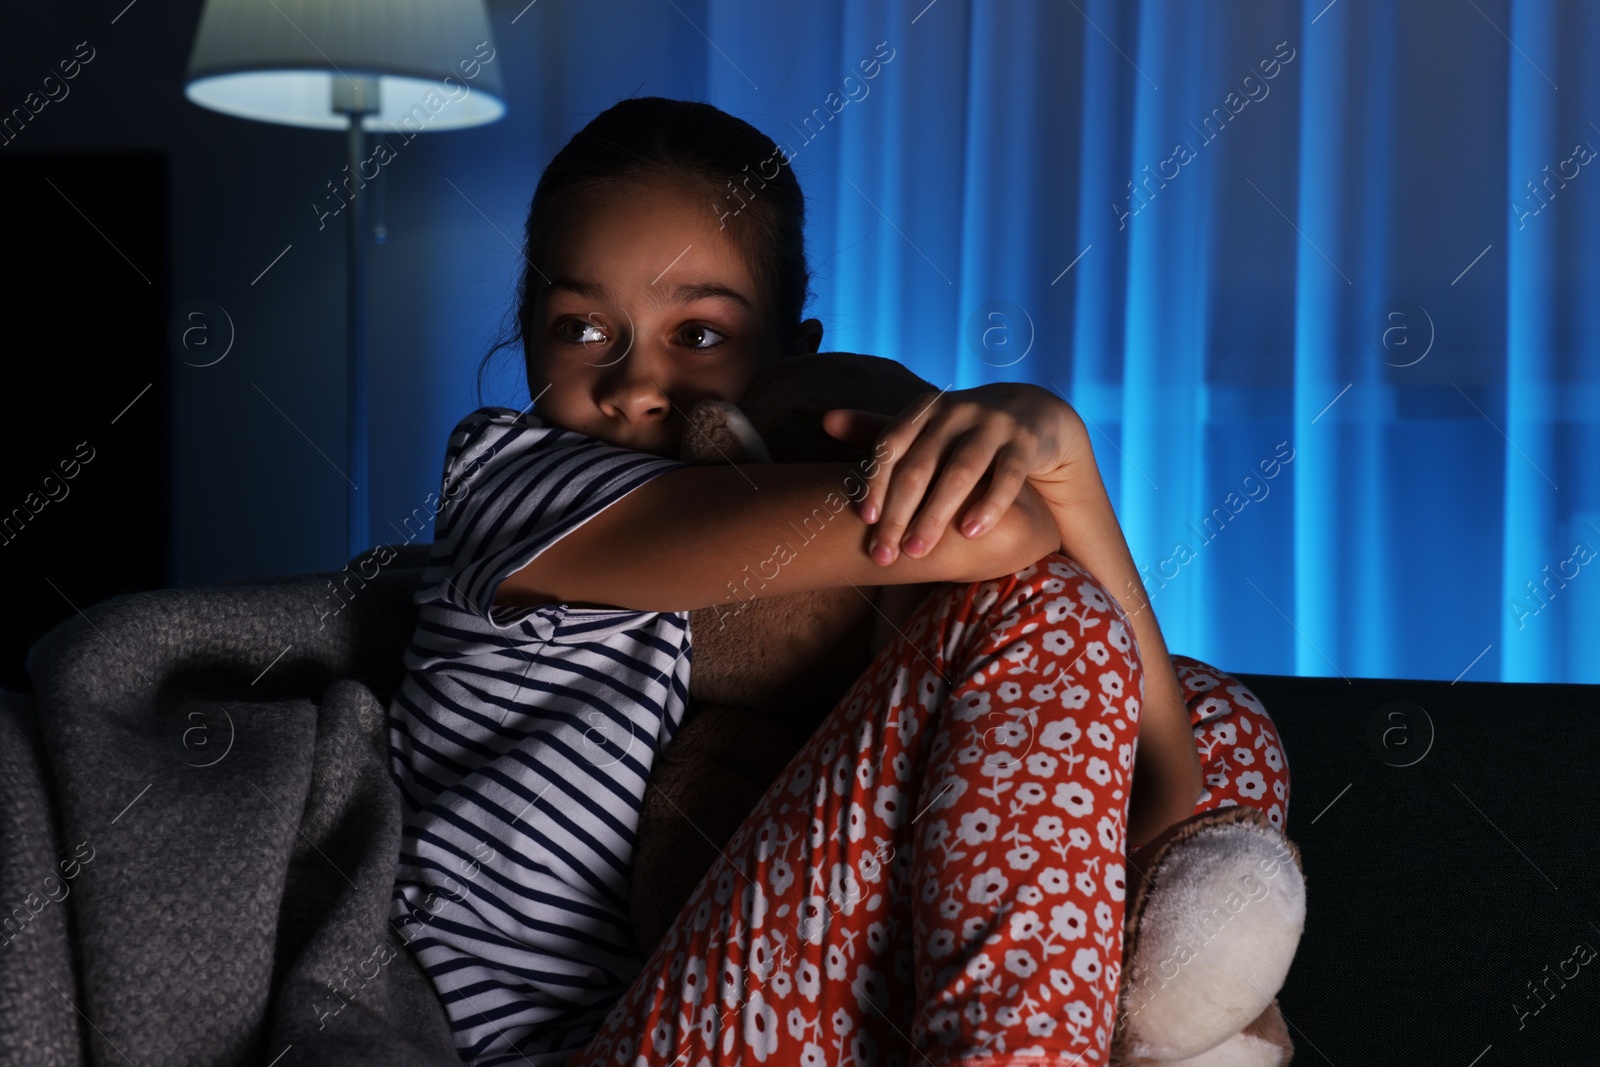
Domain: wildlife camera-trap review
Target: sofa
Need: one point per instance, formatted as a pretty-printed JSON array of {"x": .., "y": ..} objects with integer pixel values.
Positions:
[{"x": 169, "y": 902}]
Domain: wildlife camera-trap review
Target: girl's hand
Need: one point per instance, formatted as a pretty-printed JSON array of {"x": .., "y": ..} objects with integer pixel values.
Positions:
[{"x": 948, "y": 441}]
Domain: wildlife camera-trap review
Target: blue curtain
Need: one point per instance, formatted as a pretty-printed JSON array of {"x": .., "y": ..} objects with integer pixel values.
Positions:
[{"x": 1319, "y": 276}]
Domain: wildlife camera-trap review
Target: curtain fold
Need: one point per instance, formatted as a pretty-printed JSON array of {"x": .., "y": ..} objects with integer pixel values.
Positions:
[
  {"x": 1240, "y": 239},
  {"x": 1319, "y": 275}
]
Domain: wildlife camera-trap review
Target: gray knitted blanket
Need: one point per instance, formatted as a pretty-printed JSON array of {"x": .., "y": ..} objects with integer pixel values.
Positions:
[{"x": 199, "y": 833}]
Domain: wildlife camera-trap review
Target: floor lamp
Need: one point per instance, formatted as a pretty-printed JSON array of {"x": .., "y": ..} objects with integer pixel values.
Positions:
[{"x": 393, "y": 66}]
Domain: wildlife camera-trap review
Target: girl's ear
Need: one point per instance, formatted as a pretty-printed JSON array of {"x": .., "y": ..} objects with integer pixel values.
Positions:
[{"x": 808, "y": 336}]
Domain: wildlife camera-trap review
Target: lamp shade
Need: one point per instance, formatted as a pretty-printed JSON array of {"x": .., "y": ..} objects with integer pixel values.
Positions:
[{"x": 282, "y": 61}]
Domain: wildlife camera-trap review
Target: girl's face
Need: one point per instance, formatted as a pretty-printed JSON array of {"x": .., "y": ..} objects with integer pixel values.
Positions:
[{"x": 649, "y": 309}]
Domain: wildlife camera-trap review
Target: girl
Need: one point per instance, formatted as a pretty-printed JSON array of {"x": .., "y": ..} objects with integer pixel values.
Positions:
[{"x": 938, "y": 875}]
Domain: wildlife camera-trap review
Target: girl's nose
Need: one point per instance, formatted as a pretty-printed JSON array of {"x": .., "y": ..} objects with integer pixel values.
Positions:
[{"x": 637, "y": 384}]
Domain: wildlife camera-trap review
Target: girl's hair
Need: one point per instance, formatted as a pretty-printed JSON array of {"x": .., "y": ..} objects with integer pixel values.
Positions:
[{"x": 650, "y": 139}]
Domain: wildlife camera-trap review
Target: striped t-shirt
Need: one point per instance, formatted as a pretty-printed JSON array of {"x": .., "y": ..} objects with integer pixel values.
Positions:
[{"x": 522, "y": 739}]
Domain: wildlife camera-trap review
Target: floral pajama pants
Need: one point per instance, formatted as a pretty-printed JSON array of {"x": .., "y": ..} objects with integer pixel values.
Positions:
[{"x": 937, "y": 878}]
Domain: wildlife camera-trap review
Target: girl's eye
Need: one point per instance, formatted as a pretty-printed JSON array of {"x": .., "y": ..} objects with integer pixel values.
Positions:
[
  {"x": 564, "y": 334},
  {"x": 692, "y": 333}
]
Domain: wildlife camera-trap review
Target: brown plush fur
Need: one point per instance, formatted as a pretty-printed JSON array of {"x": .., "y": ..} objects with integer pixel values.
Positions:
[{"x": 765, "y": 674}]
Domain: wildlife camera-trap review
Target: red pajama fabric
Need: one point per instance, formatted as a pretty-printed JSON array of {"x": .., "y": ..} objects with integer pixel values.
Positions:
[{"x": 937, "y": 878}]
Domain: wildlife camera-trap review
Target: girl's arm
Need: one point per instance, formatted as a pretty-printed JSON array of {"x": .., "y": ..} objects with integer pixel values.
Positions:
[
  {"x": 1031, "y": 438},
  {"x": 703, "y": 536}
]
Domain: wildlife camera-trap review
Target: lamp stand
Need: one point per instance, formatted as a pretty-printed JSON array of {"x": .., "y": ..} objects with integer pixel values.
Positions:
[{"x": 356, "y": 96}]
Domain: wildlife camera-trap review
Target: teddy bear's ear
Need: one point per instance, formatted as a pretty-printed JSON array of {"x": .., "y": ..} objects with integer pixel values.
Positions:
[{"x": 787, "y": 401}]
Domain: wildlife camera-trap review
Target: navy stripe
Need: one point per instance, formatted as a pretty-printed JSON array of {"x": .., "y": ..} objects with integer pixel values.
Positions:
[{"x": 525, "y": 748}]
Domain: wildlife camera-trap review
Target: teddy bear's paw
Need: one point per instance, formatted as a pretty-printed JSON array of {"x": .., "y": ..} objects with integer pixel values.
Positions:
[
  {"x": 1219, "y": 927},
  {"x": 719, "y": 432}
]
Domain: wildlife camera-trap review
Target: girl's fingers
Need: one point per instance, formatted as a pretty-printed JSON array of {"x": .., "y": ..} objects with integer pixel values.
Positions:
[
  {"x": 889, "y": 450},
  {"x": 968, "y": 465},
  {"x": 1010, "y": 472}
]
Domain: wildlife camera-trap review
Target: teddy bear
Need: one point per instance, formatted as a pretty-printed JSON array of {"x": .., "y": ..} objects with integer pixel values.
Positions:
[{"x": 1215, "y": 904}]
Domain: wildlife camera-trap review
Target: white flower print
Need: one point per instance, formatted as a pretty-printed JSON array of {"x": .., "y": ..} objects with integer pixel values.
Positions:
[
  {"x": 1084, "y": 880},
  {"x": 811, "y": 1055},
  {"x": 941, "y": 944},
  {"x": 1077, "y": 837},
  {"x": 1041, "y": 1025},
  {"x": 970, "y": 754},
  {"x": 1110, "y": 833},
  {"x": 1009, "y": 692},
  {"x": 1060, "y": 733},
  {"x": 782, "y": 876},
  {"x": 1092, "y": 597},
  {"x": 1079, "y": 1015},
  {"x": 1116, "y": 883},
  {"x": 1058, "y": 609},
  {"x": 1057, "y": 642},
  {"x": 1251, "y": 784},
  {"x": 1111, "y": 683},
  {"x": 1061, "y": 981},
  {"x": 842, "y": 1023},
  {"x": 1100, "y": 735},
  {"x": 942, "y": 1024},
  {"x": 808, "y": 979},
  {"x": 1054, "y": 880},
  {"x": 1070, "y": 923},
  {"x": 797, "y": 1023},
  {"x": 1074, "y": 798},
  {"x": 1246, "y": 699},
  {"x": 1048, "y": 827},
  {"x": 978, "y": 826},
  {"x": 1041, "y": 764},
  {"x": 1098, "y": 770},
  {"x": 1008, "y": 735},
  {"x": 1117, "y": 634},
  {"x": 1086, "y": 964},
  {"x": 694, "y": 980},
  {"x": 857, "y": 822},
  {"x": 1029, "y": 895},
  {"x": 834, "y": 963},
  {"x": 973, "y": 928},
  {"x": 980, "y": 967},
  {"x": 1042, "y": 693},
  {"x": 1272, "y": 757},
  {"x": 1211, "y": 708},
  {"x": 760, "y": 1027},
  {"x": 1019, "y": 961},
  {"x": 871, "y": 989},
  {"x": 1096, "y": 651},
  {"x": 987, "y": 887},
  {"x": 970, "y": 706},
  {"x": 1023, "y": 858},
  {"x": 1243, "y": 757},
  {"x": 1075, "y": 697},
  {"x": 1025, "y": 925},
  {"x": 1007, "y": 1015},
  {"x": 1030, "y": 793}
]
